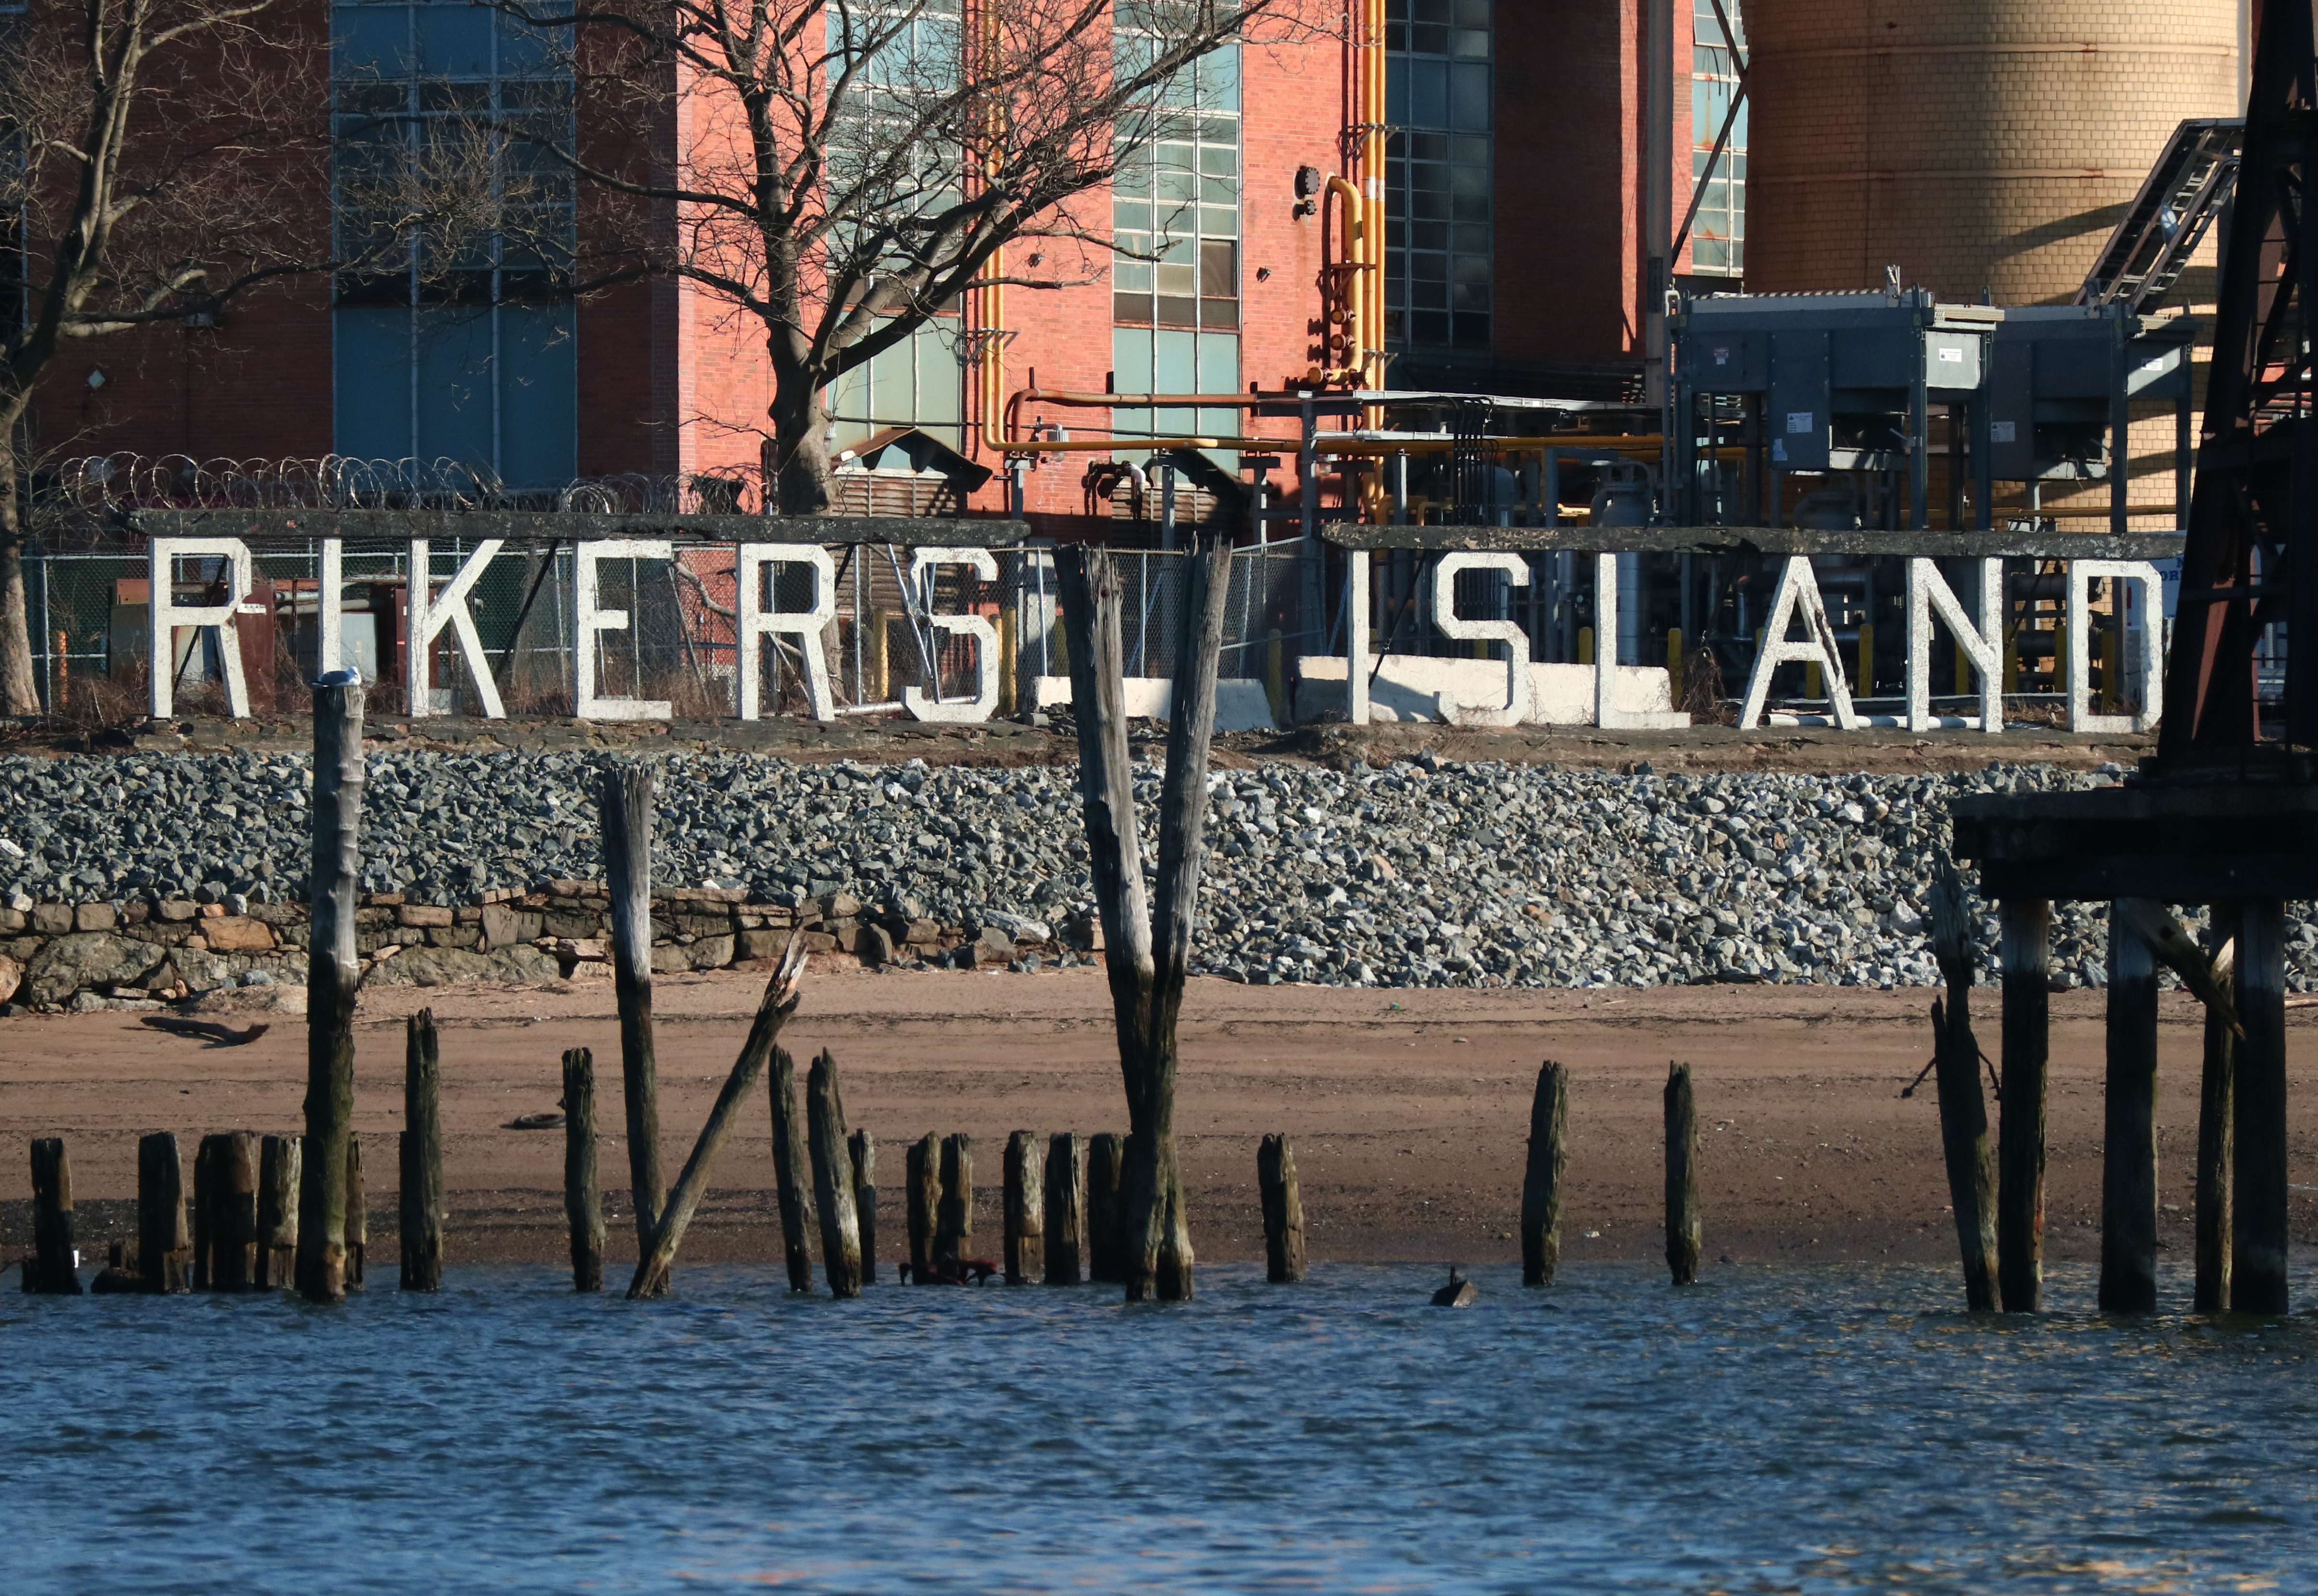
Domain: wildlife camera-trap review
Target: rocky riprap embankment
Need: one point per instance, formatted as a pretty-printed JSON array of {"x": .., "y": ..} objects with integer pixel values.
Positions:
[{"x": 1412, "y": 875}]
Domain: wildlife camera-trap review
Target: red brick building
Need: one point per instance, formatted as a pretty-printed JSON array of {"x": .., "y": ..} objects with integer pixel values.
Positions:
[{"x": 1514, "y": 191}]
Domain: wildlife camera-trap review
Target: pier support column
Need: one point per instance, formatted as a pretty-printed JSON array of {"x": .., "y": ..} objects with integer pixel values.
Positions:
[
  {"x": 2020, "y": 1137},
  {"x": 2258, "y": 1255},
  {"x": 2128, "y": 1277}
]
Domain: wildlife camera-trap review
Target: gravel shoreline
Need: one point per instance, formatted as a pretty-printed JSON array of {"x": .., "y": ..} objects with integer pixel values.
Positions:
[{"x": 1418, "y": 874}]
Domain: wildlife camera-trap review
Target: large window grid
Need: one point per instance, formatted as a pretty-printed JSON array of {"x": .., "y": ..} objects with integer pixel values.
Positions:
[
  {"x": 1438, "y": 237},
  {"x": 1175, "y": 207},
  {"x": 454, "y": 340},
  {"x": 1718, "y": 237}
]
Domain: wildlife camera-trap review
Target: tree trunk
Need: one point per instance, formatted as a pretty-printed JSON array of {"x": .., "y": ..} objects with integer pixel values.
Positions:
[
  {"x": 797, "y": 464},
  {"x": 20, "y": 692}
]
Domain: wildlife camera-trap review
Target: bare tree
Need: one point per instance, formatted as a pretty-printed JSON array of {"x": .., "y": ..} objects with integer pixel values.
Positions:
[
  {"x": 150, "y": 151},
  {"x": 850, "y": 169}
]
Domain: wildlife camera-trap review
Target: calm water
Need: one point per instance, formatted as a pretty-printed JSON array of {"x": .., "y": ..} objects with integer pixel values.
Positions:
[{"x": 1817, "y": 1430}]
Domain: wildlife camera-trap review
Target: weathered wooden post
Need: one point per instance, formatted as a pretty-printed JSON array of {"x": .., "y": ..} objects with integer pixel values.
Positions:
[
  {"x": 1106, "y": 1169},
  {"x": 332, "y": 975},
  {"x": 1548, "y": 1159},
  {"x": 1283, "y": 1211},
  {"x": 864, "y": 1149},
  {"x": 278, "y": 1162},
  {"x": 2128, "y": 1274},
  {"x": 2216, "y": 1139},
  {"x": 832, "y": 1178},
  {"x": 923, "y": 1174},
  {"x": 2024, "y": 957},
  {"x": 163, "y": 1247},
  {"x": 233, "y": 1223},
  {"x": 626, "y": 805},
  {"x": 789, "y": 1167},
  {"x": 204, "y": 1211},
  {"x": 1026, "y": 1210},
  {"x": 773, "y": 1010},
  {"x": 583, "y": 1199},
  {"x": 50, "y": 1269},
  {"x": 358, "y": 1226},
  {"x": 1147, "y": 944},
  {"x": 2258, "y": 1262},
  {"x": 1964, "y": 1111},
  {"x": 1682, "y": 1222},
  {"x": 1065, "y": 1208},
  {"x": 954, "y": 1215},
  {"x": 422, "y": 1155}
]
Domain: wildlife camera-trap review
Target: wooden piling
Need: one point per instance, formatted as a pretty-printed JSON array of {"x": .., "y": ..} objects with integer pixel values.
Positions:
[
  {"x": 2258, "y": 1262},
  {"x": 1106, "y": 1218},
  {"x": 279, "y": 1169},
  {"x": 864, "y": 1149},
  {"x": 789, "y": 1167},
  {"x": 954, "y": 1214},
  {"x": 625, "y": 803},
  {"x": 1065, "y": 1208},
  {"x": 1283, "y": 1211},
  {"x": 2025, "y": 959},
  {"x": 2217, "y": 1138},
  {"x": 924, "y": 1176},
  {"x": 1548, "y": 1159},
  {"x": 583, "y": 1198},
  {"x": 357, "y": 1224},
  {"x": 2128, "y": 1274},
  {"x": 1681, "y": 1221},
  {"x": 164, "y": 1249},
  {"x": 233, "y": 1219},
  {"x": 50, "y": 1269},
  {"x": 204, "y": 1212},
  {"x": 316, "y": 1224},
  {"x": 422, "y": 1155},
  {"x": 1963, "y": 1110},
  {"x": 832, "y": 1178},
  {"x": 1025, "y": 1209}
]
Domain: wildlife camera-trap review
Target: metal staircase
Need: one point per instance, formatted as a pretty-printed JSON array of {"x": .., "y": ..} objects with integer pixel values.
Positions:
[{"x": 2185, "y": 191}]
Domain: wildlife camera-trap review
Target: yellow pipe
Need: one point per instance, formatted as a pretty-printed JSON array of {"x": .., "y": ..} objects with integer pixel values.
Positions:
[{"x": 1370, "y": 113}]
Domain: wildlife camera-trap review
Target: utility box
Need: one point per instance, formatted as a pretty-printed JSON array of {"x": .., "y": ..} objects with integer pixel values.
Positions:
[{"x": 2060, "y": 389}]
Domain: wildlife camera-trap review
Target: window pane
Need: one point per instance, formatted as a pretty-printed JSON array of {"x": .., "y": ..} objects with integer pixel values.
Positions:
[{"x": 1218, "y": 269}]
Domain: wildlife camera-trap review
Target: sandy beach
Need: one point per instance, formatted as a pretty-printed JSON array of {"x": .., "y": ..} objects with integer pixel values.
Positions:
[{"x": 1408, "y": 1109}]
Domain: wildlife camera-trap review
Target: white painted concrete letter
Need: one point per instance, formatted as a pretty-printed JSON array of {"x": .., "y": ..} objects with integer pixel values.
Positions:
[
  {"x": 330, "y": 621},
  {"x": 1605, "y": 641},
  {"x": 430, "y": 612},
  {"x": 1798, "y": 589},
  {"x": 2142, "y": 638},
  {"x": 757, "y": 624},
  {"x": 163, "y": 616},
  {"x": 1508, "y": 632},
  {"x": 592, "y": 620},
  {"x": 926, "y": 707},
  {"x": 1982, "y": 645},
  {"x": 1357, "y": 616}
]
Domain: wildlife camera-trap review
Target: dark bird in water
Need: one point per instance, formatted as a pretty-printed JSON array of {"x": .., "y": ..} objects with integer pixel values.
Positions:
[{"x": 1459, "y": 1293}]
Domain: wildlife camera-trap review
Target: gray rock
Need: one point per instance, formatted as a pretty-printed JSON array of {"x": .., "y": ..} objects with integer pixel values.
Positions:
[{"x": 87, "y": 959}]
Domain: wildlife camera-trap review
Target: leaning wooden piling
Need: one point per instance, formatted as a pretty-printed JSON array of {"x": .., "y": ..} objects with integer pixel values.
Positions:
[
  {"x": 2128, "y": 1269},
  {"x": 50, "y": 1269},
  {"x": 626, "y": 803},
  {"x": 319, "y": 1219},
  {"x": 2258, "y": 1261},
  {"x": 923, "y": 1174},
  {"x": 2024, "y": 956},
  {"x": 1681, "y": 1220},
  {"x": 954, "y": 1214},
  {"x": 1065, "y": 1208},
  {"x": 233, "y": 1220},
  {"x": 789, "y": 1172},
  {"x": 832, "y": 1178},
  {"x": 864, "y": 1149},
  {"x": 164, "y": 1249},
  {"x": 1963, "y": 1110},
  {"x": 1542, "y": 1181},
  {"x": 2216, "y": 1138},
  {"x": 1106, "y": 1216},
  {"x": 422, "y": 1213},
  {"x": 1283, "y": 1211},
  {"x": 583, "y": 1198},
  {"x": 280, "y": 1163},
  {"x": 1025, "y": 1209}
]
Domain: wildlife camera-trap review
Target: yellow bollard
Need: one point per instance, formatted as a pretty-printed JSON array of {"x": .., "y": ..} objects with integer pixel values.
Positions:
[
  {"x": 1275, "y": 678},
  {"x": 1585, "y": 645},
  {"x": 2059, "y": 655},
  {"x": 1674, "y": 664},
  {"x": 1864, "y": 683},
  {"x": 880, "y": 673},
  {"x": 1814, "y": 685},
  {"x": 2011, "y": 662},
  {"x": 1963, "y": 673},
  {"x": 1006, "y": 662}
]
